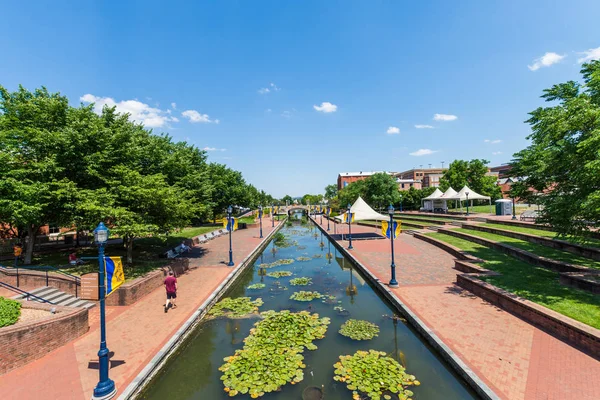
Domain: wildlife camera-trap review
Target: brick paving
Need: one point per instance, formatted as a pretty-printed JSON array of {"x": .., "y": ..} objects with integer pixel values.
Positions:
[
  {"x": 515, "y": 359},
  {"x": 134, "y": 333}
]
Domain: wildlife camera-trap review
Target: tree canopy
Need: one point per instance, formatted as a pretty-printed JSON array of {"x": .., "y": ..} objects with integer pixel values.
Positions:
[
  {"x": 473, "y": 174},
  {"x": 561, "y": 167}
]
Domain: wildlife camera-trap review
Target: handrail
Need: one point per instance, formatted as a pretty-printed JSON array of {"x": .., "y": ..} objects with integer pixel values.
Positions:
[
  {"x": 20, "y": 291},
  {"x": 46, "y": 268}
]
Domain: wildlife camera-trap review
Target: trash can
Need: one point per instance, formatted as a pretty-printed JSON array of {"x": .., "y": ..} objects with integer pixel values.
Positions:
[{"x": 503, "y": 207}]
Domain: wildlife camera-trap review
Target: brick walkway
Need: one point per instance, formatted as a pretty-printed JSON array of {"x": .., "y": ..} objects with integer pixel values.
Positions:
[
  {"x": 515, "y": 359},
  {"x": 134, "y": 333}
]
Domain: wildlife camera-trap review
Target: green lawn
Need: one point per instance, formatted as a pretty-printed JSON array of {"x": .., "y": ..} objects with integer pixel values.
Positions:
[
  {"x": 533, "y": 283},
  {"x": 404, "y": 222},
  {"x": 537, "y": 249},
  {"x": 433, "y": 218},
  {"x": 485, "y": 209},
  {"x": 145, "y": 253},
  {"x": 591, "y": 242}
]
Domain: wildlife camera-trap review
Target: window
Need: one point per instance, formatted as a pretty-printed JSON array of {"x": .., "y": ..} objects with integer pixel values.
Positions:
[
  {"x": 411, "y": 185},
  {"x": 403, "y": 186},
  {"x": 53, "y": 229},
  {"x": 345, "y": 183}
]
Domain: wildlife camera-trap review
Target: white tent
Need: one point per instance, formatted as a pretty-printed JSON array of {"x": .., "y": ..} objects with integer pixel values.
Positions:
[
  {"x": 447, "y": 194},
  {"x": 427, "y": 203},
  {"x": 472, "y": 195},
  {"x": 362, "y": 211}
]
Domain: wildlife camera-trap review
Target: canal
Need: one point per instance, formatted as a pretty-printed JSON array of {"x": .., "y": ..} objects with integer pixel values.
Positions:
[{"x": 192, "y": 372}]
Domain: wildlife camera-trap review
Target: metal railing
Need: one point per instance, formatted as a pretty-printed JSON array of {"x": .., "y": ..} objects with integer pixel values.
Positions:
[
  {"x": 46, "y": 269},
  {"x": 24, "y": 293}
]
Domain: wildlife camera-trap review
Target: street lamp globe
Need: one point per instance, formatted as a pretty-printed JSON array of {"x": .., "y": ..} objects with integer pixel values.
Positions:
[
  {"x": 349, "y": 207},
  {"x": 229, "y": 210},
  {"x": 391, "y": 210},
  {"x": 101, "y": 234}
]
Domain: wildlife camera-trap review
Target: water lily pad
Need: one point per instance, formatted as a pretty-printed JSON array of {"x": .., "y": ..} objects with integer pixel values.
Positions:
[
  {"x": 279, "y": 274},
  {"x": 359, "y": 330},
  {"x": 235, "y": 308},
  {"x": 303, "y": 281},
  {"x": 305, "y": 296},
  {"x": 257, "y": 286}
]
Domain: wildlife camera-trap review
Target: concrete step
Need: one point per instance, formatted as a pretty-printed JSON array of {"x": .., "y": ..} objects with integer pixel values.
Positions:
[{"x": 56, "y": 297}]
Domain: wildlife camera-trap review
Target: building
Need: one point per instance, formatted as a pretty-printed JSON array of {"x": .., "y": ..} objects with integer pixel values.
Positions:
[
  {"x": 429, "y": 177},
  {"x": 406, "y": 184},
  {"x": 346, "y": 178},
  {"x": 503, "y": 171}
]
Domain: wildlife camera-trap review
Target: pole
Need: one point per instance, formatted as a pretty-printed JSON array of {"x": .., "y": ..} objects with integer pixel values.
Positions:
[
  {"x": 260, "y": 220},
  {"x": 393, "y": 282},
  {"x": 328, "y": 214},
  {"x": 230, "y": 222},
  {"x": 467, "y": 205},
  {"x": 349, "y": 230},
  {"x": 514, "y": 211},
  {"x": 105, "y": 389}
]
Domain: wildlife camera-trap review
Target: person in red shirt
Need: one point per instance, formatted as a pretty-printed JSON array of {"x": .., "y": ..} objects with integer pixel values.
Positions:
[{"x": 171, "y": 288}]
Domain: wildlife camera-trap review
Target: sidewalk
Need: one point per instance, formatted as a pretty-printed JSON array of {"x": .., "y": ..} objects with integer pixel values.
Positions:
[
  {"x": 134, "y": 333},
  {"x": 515, "y": 359}
]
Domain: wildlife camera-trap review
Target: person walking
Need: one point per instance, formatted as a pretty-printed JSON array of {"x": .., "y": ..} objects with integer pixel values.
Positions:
[{"x": 171, "y": 288}]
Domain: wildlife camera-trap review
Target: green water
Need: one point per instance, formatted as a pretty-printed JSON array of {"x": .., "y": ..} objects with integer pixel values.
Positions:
[{"x": 192, "y": 373}]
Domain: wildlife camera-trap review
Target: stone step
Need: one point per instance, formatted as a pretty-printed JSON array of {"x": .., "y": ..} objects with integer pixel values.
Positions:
[{"x": 56, "y": 297}]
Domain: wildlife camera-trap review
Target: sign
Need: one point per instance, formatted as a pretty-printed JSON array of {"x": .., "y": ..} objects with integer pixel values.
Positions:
[{"x": 89, "y": 286}]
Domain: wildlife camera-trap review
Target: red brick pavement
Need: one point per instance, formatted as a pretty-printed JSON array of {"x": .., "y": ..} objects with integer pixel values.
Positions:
[
  {"x": 134, "y": 333},
  {"x": 516, "y": 360}
]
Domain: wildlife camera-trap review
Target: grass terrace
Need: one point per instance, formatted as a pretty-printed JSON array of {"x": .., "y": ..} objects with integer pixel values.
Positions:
[
  {"x": 533, "y": 283},
  {"x": 433, "y": 217},
  {"x": 537, "y": 249},
  {"x": 590, "y": 242}
]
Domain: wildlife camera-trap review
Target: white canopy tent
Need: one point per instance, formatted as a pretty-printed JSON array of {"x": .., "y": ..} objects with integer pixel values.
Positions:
[
  {"x": 362, "y": 211},
  {"x": 472, "y": 195},
  {"x": 447, "y": 194},
  {"x": 427, "y": 203}
]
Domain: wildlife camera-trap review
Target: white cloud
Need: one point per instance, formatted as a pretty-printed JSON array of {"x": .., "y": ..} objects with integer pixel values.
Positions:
[
  {"x": 495, "y": 141},
  {"x": 423, "y": 126},
  {"x": 151, "y": 117},
  {"x": 286, "y": 114},
  {"x": 444, "y": 117},
  {"x": 496, "y": 153},
  {"x": 268, "y": 110},
  {"x": 174, "y": 106},
  {"x": 271, "y": 88},
  {"x": 212, "y": 149},
  {"x": 392, "y": 130},
  {"x": 195, "y": 117},
  {"x": 326, "y": 107},
  {"x": 545, "y": 61},
  {"x": 423, "y": 152},
  {"x": 589, "y": 55}
]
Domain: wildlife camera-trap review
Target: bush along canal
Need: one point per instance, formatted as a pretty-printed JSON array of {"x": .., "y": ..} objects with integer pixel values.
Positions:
[{"x": 303, "y": 324}]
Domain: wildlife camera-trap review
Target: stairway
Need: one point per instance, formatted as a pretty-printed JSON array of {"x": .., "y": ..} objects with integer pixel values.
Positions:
[{"x": 56, "y": 297}]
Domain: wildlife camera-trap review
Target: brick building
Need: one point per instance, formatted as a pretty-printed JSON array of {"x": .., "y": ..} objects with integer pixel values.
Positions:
[
  {"x": 429, "y": 177},
  {"x": 406, "y": 184},
  {"x": 346, "y": 178}
]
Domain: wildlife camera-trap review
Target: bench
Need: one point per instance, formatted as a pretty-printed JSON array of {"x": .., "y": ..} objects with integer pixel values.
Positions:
[
  {"x": 177, "y": 251},
  {"x": 529, "y": 216}
]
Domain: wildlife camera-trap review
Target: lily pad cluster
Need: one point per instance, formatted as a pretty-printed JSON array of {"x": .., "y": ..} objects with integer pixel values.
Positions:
[
  {"x": 302, "y": 258},
  {"x": 359, "y": 330},
  {"x": 257, "y": 286},
  {"x": 235, "y": 308},
  {"x": 272, "y": 354},
  {"x": 305, "y": 295},
  {"x": 303, "y": 281},
  {"x": 279, "y": 274},
  {"x": 374, "y": 374},
  {"x": 277, "y": 263},
  {"x": 317, "y": 256}
]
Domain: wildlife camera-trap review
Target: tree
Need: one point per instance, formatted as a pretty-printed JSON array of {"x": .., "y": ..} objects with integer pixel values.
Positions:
[
  {"x": 331, "y": 191},
  {"x": 561, "y": 167},
  {"x": 381, "y": 190},
  {"x": 473, "y": 174},
  {"x": 287, "y": 199},
  {"x": 350, "y": 193},
  {"x": 33, "y": 190},
  {"x": 411, "y": 198}
]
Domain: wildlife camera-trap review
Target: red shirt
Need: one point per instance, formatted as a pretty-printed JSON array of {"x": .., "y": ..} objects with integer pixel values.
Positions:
[{"x": 170, "y": 282}]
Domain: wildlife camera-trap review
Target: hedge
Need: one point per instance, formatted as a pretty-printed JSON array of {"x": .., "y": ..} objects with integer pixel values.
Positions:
[{"x": 10, "y": 311}]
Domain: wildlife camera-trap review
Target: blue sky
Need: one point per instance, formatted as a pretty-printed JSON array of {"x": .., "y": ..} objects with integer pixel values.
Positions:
[{"x": 339, "y": 74}]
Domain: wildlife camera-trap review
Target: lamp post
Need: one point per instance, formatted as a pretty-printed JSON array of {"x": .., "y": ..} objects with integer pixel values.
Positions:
[
  {"x": 321, "y": 214},
  {"x": 273, "y": 215},
  {"x": 349, "y": 228},
  {"x": 105, "y": 389},
  {"x": 260, "y": 220},
  {"x": 467, "y": 193},
  {"x": 328, "y": 214},
  {"x": 230, "y": 223},
  {"x": 514, "y": 211},
  {"x": 400, "y": 203},
  {"x": 393, "y": 282}
]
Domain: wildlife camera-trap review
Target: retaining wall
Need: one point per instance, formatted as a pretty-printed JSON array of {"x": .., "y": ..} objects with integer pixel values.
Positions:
[
  {"x": 29, "y": 341},
  {"x": 35, "y": 279}
]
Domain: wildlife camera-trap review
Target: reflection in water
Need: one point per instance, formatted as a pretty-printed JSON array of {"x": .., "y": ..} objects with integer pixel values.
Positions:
[{"x": 193, "y": 372}]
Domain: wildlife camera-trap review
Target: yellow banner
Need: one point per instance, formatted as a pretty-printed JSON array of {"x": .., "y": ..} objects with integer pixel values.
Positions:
[
  {"x": 115, "y": 276},
  {"x": 351, "y": 216},
  {"x": 385, "y": 229},
  {"x": 227, "y": 225}
]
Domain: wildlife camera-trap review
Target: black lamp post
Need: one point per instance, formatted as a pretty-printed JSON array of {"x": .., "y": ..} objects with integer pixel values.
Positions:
[
  {"x": 328, "y": 214},
  {"x": 349, "y": 216},
  {"x": 321, "y": 214},
  {"x": 105, "y": 389},
  {"x": 230, "y": 224},
  {"x": 514, "y": 210},
  {"x": 393, "y": 282},
  {"x": 260, "y": 219},
  {"x": 400, "y": 203},
  {"x": 467, "y": 194}
]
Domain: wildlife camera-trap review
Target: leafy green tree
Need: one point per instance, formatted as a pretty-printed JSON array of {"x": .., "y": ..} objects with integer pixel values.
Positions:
[
  {"x": 331, "y": 191},
  {"x": 473, "y": 174},
  {"x": 350, "y": 193},
  {"x": 287, "y": 198},
  {"x": 561, "y": 167},
  {"x": 381, "y": 190},
  {"x": 411, "y": 198}
]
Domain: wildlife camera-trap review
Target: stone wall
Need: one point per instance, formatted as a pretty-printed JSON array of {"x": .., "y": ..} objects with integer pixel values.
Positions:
[
  {"x": 35, "y": 279},
  {"x": 29, "y": 341}
]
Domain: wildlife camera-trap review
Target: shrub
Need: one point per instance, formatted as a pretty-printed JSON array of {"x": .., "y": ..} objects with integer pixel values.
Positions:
[{"x": 10, "y": 311}]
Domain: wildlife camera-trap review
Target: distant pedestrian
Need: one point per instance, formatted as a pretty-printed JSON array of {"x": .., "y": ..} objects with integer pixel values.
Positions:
[
  {"x": 74, "y": 260},
  {"x": 171, "y": 288},
  {"x": 17, "y": 251}
]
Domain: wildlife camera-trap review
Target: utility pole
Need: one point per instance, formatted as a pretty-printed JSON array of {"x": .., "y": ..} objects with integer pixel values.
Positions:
[{"x": 443, "y": 164}]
